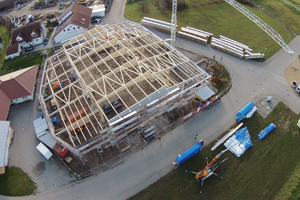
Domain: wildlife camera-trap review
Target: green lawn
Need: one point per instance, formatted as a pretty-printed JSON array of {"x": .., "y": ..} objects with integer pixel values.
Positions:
[
  {"x": 23, "y": 61},
  {"x": 257, "y": 174},
  {"x": 223, "y": 19},
  {"x": 16, "y": 183},
  {"x": 284, "y": 12}
]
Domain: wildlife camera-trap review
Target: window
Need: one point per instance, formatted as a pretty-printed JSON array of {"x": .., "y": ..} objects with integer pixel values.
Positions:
[
  {"x": 36, "y": 39},
  {"x": 78, "y": 27},
  {"x": 68, "y": 29},
  {"x": 74, "y": 28},
  {"x": 64, "y": 30}
]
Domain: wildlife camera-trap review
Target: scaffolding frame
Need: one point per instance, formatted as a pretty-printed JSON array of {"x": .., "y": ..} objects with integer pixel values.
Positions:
[{"x": 123, "y": 61}]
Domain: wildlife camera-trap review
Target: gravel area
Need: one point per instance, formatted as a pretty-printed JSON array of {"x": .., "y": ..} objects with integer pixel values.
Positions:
[{"x": 47, "y": 174}]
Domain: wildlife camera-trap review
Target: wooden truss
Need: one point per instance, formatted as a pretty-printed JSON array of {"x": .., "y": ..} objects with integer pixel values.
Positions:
[{"x": 124, "y": 62}]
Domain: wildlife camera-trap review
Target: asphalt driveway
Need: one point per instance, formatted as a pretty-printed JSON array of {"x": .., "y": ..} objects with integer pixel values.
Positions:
[{"x": 47, "y": 174}]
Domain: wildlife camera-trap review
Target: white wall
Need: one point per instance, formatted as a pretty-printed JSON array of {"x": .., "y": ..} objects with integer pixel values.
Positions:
[
  {"x": 68, "y": 32},
  {"x": 22, "y": 99},
  {"x": 37, "y": 41}
]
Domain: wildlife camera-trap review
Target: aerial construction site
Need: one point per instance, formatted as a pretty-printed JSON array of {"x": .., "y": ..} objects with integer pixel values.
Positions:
[{"x": 110, "y": 81}]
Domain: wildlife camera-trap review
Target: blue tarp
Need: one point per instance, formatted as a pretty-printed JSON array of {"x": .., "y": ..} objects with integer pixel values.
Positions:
[
  {"x": 188, "y": 153},
  {"x": 241, "y": 115},
  {"x": 265, "y": 132},
  {"x": 239, "y": 142}
]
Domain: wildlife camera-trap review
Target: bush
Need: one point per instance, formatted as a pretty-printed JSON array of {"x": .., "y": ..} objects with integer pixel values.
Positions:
[
  {"x": 181, "y": 4},
  {"x": 246, "y": 2}
]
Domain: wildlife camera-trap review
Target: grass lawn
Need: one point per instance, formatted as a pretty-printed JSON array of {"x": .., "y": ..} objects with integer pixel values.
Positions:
[
  {"x": 284, "y": 12},
  {"x": 16, "y": 183},
  {"x": 23, "y": 61},
  {"x": 258, "y": 174},
  {"x": 221, "y": 19}
]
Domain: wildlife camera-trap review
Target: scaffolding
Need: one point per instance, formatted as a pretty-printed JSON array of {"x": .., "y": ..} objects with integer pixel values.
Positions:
[{"x": 113, "y": 76}]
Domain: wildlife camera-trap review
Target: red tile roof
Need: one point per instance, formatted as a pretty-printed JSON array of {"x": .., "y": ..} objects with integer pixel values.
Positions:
[
  {"x": 13, "y": 89},
  {"x": 16, "y": 87},
  {"x": 27, "y": 79},
  {"x": 4, "y": 106}
]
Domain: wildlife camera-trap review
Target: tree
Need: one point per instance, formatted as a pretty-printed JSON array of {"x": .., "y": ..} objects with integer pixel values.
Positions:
[{"x": 143, "y": 7}]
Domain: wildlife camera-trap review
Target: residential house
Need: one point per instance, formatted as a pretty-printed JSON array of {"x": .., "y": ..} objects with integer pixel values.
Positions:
[
  {"x": 30, "y": 35},
  {"x": 75, "y": 21},
  {"x": 17, "y": 87},
  {"x": 6, "y": 134}
]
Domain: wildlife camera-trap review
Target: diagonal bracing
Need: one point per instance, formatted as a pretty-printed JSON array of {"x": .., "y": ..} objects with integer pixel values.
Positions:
[{"x": 263, "y": 25}]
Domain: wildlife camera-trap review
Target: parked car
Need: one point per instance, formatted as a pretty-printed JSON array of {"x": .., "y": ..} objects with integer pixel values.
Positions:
[
  {"x": 30, "y": 48},
  {"x": 298, "y": 89},
  {"x": 294, "y": 84},
  {"x": 46, "y": 40},
  {"x": 95, "y": 20}
]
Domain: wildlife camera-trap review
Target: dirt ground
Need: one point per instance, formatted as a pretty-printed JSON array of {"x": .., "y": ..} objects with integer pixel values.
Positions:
[{"x": 292, "y": 72}]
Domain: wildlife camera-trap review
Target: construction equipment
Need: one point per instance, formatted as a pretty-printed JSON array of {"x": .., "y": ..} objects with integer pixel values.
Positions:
[
  {"x": 58, "y": 84},
  {"x": 209, "y": 169},
  {"x": 78, "y": 116},
  {"x": 107, "y": 107}
]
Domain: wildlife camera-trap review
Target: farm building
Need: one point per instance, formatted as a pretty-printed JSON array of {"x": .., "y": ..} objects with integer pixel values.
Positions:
[{"x": 111, "y": 80}]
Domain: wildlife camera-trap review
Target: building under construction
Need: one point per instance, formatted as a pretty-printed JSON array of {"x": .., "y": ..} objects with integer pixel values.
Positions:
[{"x": 111, "y": 80}]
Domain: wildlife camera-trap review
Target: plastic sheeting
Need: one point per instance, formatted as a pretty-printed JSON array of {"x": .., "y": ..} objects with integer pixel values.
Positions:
[
  {"x": 188, "y": 154},
  {"x": 265, "y": 132},
  {"x": 243, "y": 112},
  {"x": 239, "y": 142}
]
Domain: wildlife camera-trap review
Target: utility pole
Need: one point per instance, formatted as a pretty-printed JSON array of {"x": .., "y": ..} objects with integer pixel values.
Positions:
[{"x": 173, "y": 23}]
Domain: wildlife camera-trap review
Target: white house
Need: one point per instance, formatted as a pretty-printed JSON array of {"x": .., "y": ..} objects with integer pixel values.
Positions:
[
  {"x": 31, "y": 34},
  {"x": 6, "y": 134},
  {"x": 13, "y": 51},
  {"x": 18, "y": 86},
  {"x": 75, "y": 21}
]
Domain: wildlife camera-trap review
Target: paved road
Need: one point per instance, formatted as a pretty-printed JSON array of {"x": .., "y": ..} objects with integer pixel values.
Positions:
[{"x": 154, "y": 161}]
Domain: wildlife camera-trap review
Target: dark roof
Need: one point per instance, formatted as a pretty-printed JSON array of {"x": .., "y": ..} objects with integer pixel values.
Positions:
[
  {"x": 25, "y": 32},
  {"x": 7, "y": 3},
  {"x": 11, "y": 49},
  {"x": 81, "y": 16}
]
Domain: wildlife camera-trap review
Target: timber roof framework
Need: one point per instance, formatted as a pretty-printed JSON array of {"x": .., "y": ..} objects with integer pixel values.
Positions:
[{"x": 124, "y": 67}]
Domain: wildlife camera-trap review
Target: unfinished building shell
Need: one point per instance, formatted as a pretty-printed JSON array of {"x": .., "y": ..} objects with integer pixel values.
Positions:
[{"x": 104, "y": 82}]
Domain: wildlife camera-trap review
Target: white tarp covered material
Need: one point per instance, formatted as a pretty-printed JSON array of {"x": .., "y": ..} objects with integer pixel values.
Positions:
[
  {"x": 298, "y": 123},
  {"x": 204, "y": 92},
  {"x": 251, "y": 112},
  {"x": 4, "y": 142},
  {"x": 98, "y": 10},
  {"x": 43, "y": 149},
  {"x": 239, "y": 142},
  {"x": 40, "y": 127}
]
